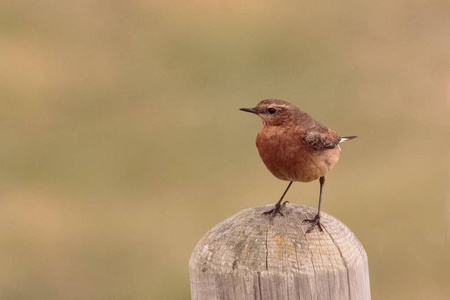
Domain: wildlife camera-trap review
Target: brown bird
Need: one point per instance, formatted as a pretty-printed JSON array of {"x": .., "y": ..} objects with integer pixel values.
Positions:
[{"x": 295, "y": 147}]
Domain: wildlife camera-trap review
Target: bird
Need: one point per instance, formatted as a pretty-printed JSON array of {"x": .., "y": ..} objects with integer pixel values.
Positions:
[{"x": 295, "y": 147}]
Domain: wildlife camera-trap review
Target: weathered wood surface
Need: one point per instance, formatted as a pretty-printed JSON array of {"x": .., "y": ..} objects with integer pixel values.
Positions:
[{"x": 251, "y": 256}]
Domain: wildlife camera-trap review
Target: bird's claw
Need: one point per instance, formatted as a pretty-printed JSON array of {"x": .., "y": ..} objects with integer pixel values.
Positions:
[
  {"x": 314, "y": 222},
  {"x": 276, "y": 209}
]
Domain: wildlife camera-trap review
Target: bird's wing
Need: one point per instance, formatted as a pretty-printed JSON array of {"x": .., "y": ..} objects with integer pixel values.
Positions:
[{"x": 320, "y": 138}]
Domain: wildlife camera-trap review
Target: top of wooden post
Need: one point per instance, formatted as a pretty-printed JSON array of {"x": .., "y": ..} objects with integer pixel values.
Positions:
[{"x": 271, "y": 257}]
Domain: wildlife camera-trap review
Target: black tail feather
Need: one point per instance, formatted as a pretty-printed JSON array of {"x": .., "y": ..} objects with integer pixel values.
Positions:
[{"x": 346, "y": 138}]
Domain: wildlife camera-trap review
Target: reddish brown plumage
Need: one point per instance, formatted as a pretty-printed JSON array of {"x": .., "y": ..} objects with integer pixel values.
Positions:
[
  {"x": 287, "y": 156},
  {"x": 292, "y": 145},
  {"x": 295, "y": 147}
]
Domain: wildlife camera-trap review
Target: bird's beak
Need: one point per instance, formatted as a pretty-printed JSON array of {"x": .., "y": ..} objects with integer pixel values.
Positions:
[{"x": 250, "y": 110}]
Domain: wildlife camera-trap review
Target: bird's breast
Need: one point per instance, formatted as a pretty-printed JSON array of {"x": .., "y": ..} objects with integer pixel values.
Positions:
[{"x": 288, "y": 158}]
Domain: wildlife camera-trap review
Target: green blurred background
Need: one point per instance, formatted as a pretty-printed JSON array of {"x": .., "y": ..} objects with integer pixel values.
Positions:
[{"x": 122, "y": 142}]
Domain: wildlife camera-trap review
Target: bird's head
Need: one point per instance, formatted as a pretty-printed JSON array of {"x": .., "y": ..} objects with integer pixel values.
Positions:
[{"x": 275, "y": 112}]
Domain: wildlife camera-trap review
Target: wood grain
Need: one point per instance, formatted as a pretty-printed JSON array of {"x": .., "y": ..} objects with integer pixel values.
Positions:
[{"x": 253, "y": 256}]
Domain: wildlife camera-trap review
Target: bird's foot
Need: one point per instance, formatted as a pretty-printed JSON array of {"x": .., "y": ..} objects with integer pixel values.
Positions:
[
  {"x": 276, "y": 209},
  {"x": 314, "y": 222}
]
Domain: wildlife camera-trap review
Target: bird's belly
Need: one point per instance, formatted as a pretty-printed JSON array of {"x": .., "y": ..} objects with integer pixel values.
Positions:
[{"x": 294, "y": 162}]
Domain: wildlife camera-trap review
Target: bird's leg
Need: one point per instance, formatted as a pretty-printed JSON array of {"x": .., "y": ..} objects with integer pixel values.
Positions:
[
  {"x": 276, "y": 210},
  {"x": 316, "y": 220}
]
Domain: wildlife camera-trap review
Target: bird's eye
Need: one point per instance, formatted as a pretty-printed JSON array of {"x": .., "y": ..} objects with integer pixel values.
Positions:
[{"x": 272, "y": 110}]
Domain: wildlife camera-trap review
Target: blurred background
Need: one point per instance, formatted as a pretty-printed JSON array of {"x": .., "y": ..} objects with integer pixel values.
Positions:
[{"x": 122, "y": 142}]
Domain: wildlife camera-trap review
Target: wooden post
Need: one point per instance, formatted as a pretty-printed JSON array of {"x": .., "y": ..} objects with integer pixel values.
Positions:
[{"x": 254, "y": 256}]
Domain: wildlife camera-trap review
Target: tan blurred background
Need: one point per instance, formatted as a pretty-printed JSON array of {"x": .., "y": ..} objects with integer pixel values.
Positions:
[{"x": 122, "y": 143}]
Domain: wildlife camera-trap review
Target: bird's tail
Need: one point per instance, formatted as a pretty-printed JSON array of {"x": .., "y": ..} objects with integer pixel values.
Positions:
[{"x": 346, "y": 138}]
